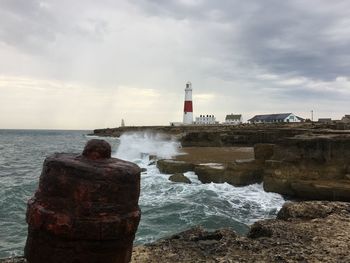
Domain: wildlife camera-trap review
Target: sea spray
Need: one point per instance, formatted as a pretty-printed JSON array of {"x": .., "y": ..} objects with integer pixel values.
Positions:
[
  {"x": 133, "y": 146},
  {"x": 168, "y": 207}
]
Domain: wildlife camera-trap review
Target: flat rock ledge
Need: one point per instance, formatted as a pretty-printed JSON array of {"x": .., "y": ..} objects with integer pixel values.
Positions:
[{"x": 312, "y": 231}]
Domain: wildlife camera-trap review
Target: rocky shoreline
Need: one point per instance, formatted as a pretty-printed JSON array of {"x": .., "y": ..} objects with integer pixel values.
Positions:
[
  {"x": 309, "y": 166},
  {"x": 310, "y": 161},
  {"x": 303, "y": 232},
  {"x": 230, "y": 135},
  {"x": 311, "y": 231}
]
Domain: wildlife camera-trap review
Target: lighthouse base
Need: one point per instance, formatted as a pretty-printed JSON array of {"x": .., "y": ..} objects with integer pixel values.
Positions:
[{"x": 188, "y": 118}]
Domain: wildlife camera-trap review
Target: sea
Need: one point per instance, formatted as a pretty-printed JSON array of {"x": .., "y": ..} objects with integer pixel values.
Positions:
[{"x": 167, "y": 207}]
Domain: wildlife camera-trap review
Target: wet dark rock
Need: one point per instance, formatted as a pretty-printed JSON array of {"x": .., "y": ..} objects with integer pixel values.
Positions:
[
  {"x": 179, "y": 178},
  {"x": 86, "y": 208}
]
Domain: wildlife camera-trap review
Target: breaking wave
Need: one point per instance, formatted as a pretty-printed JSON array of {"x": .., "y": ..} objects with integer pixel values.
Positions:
[{"x": 168, "y": 207}]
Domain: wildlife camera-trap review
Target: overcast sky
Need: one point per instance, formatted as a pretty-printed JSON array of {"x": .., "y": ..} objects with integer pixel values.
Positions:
[{"x": 87, "y": 64}]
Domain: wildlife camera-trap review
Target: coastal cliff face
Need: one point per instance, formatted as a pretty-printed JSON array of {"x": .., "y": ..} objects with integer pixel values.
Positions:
[
  {"x": 242, "y": 137},
  {"x": 309, "y": 166},
  {"x": 306, "y": 166},
  {"x": 303, "y": 232}
]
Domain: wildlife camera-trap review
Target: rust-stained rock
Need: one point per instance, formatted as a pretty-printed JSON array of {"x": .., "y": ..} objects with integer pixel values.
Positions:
[{"x": 85, "y": 210}]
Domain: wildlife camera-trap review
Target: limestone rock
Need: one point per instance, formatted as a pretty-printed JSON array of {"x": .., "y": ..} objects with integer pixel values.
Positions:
[
  {"x": 239, "y": 173},
  {"x": 318, "y": 149},
  {"x": 244, "y": 172},
  {"x": 179, "y": 178},
  {"x": 208, "y": 173},
  {"x": 311, "y": 210},
  {"x": 278, "y": 185},
  {"x": 263, "y": 151},
  {"x": 303, "y": 232},
  {"x": 336, "y": 190},
  {"x": 171, "y": 166}
]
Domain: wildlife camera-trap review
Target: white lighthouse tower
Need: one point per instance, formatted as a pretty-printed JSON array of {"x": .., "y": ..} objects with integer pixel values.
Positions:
[{"x": 188, "y": 108}]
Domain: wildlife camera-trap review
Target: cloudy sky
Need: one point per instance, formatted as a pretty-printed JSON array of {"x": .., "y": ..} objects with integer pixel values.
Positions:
[{"x": 87, "y": 64}]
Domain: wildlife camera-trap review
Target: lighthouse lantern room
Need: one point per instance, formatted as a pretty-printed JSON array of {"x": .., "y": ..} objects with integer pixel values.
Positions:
[{"x": 188, "y": 108}]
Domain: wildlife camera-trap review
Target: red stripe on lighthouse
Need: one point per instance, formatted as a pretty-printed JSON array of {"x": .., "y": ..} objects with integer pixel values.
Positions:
[{"x": 188, "y": 106}]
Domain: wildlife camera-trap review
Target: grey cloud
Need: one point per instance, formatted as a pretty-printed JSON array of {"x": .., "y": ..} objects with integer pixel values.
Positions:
[
  {"x": 33, "y": 25},
  {"x": 282, "y": 37},
  {"x": 26, "y": 24}
]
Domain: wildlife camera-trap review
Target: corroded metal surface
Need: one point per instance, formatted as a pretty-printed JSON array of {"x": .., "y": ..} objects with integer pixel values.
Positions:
[{"x": 85, "y": 209}]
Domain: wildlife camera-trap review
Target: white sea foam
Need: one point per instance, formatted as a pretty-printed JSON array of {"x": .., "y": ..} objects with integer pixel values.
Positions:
[
  {"x": 169, "y": 207},
  {"x": 135, "y": 146}
]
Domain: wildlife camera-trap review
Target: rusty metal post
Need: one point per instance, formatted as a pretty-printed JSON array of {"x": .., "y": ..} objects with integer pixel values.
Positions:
[{"x": 85, "y": 210}]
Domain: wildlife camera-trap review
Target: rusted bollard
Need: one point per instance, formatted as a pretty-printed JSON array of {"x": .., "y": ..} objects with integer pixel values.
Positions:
[{"x": 85, "y": 210}]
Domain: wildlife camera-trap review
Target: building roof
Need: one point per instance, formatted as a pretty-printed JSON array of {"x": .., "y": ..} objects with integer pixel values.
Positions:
[
  {"x": 233, "y": 117},
  {"x": 271, "y": 117}
]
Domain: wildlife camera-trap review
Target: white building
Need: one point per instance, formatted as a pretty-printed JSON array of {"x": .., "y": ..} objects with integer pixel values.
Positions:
[
  {"x": 233, "y": 119},
  {"x": 206, "y": 120},
  {"x": 275, "y": 118}
]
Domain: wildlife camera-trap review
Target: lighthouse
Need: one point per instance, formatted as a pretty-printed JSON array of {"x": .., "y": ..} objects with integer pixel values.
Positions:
[{"x": 188, "y": 109}]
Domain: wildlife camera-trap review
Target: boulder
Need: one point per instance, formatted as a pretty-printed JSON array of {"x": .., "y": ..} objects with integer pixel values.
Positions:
[
  {"x": 208, "y": 173},
  {"x": 172, "y": 166},
  {"x": 179, "y": 178},
  {"x": 244, "y": 172},
  {"x": 238, "y": 173}
]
